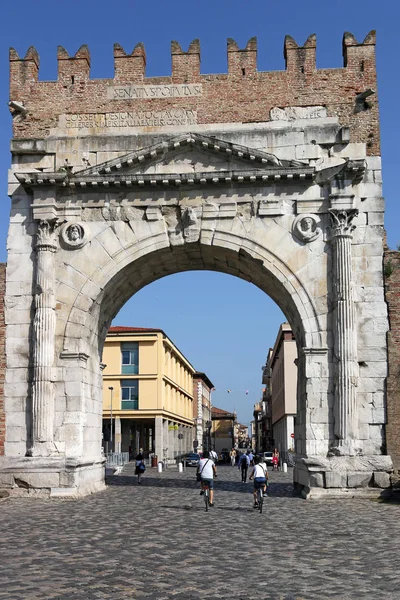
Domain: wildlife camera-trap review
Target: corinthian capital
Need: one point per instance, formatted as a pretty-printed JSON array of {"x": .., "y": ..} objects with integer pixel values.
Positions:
[
  {"x": 46, "y": 235},
  {"x": 341, "y": 221}
]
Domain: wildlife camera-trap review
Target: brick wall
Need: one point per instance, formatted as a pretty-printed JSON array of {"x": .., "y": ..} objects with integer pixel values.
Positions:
[
  {"x": 392, "y": 292},
  {"x": 243, "y": 95},
  {"x": 2, "y": 356}
]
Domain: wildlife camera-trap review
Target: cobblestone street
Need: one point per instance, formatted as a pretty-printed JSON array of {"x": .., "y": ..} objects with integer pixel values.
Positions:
[{"x": 155, "y": 541}]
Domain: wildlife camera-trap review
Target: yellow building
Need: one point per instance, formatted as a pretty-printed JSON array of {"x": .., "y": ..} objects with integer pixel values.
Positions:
[{"x": 147, "y": 394}]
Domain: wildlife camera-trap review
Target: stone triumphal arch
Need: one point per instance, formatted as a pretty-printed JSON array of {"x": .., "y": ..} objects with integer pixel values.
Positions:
[{"x": 273, "y": 177}]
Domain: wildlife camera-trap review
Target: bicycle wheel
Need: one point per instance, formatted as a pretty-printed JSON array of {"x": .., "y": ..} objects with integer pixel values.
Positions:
[
  {"x": 207, "y": 498},
  {"x": 260, "y": 500}
]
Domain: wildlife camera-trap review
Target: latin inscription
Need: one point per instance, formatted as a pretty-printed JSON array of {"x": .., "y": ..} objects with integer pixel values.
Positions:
[
  {"x": 291, "y": 113},
  {"x": 147, "y": 92},
  {"x": 145, "y": 118}
]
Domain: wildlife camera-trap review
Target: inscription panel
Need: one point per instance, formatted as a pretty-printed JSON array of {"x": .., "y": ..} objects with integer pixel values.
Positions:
[
  {"x": 147, "y": 92},
  {"x": 143, "y": 118}
]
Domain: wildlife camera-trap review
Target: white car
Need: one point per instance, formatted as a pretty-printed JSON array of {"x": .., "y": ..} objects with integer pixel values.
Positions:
[{"x": 266, "y": 457}]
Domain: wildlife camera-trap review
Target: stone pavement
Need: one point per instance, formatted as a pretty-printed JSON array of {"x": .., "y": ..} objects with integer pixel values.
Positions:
[{"x": 156, "y": 542}]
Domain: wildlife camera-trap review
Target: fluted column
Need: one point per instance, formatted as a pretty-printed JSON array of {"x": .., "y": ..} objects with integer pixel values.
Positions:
[
  {"x": 344, "y": 330},
  {"x": 44, "y": 326}
]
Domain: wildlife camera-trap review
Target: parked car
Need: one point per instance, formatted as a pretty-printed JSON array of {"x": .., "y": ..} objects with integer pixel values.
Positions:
[
  {"x": 192, "y": 459},
  {"x": 266, "y": 457}
]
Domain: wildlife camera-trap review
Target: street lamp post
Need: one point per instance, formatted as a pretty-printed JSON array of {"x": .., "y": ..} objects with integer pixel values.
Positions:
[{"x": 111, "y": 417}]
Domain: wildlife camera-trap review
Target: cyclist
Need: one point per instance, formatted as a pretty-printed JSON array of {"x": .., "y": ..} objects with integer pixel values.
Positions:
[
  {"x": 260, "y": 476},
  {"x": 206, "y": 469}
]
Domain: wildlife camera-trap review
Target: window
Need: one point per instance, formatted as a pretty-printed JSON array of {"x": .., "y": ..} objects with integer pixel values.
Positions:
[
  {"x": 129, "y": 394},
  {"x": 130, "y": 358}
]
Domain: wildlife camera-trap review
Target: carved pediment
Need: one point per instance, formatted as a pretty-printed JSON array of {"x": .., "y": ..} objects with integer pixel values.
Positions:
[{"x": 184, "y": 159}]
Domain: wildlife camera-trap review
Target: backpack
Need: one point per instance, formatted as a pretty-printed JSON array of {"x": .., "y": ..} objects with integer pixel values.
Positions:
[{"x": 142, "y": 467}]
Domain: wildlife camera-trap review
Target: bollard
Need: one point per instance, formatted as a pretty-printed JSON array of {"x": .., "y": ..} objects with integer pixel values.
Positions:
[
  {"x": 159, "y": 467},
  {"x": 284, "y": 467},
  {"x": 180, "y": 467}
]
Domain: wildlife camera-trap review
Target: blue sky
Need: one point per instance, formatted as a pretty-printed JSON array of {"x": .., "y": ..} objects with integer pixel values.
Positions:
[{"x": 223, "y": 325}]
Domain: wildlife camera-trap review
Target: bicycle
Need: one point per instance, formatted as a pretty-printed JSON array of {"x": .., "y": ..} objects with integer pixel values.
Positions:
[
  {"x": 206, "y": 495},
  {"x": 260, "y": 499}
]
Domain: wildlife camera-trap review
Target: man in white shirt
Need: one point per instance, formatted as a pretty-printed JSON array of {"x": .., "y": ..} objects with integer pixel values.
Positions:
[
  {"x": 260, "y": 476},
  {"x": 207, "y": 471},
  {"x": 214, "y": 456}
]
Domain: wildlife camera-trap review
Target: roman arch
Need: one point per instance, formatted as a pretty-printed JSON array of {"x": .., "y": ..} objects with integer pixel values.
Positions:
[{"x": 271, "y": 177}]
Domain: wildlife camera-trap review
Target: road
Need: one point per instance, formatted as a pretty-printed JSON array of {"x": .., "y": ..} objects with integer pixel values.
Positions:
[{"x": 155, "y": 541}]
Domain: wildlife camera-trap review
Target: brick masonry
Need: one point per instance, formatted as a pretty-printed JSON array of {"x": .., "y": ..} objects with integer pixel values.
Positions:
[
  {"x": 243, "y": 95},
  {"x": 2, "y": 356},
  {"x": 392, "y": 293}
]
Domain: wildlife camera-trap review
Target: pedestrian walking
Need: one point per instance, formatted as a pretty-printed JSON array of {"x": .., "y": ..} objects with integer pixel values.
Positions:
[
  {"x": 214, "y": 456},
  {"x": 232, "y": 454},
  {"x": 275, "y": 459},
  {"x": 140, "y": 466},
  {"x": 244, "y": 464},
  {"x": 251, "y": 457}
]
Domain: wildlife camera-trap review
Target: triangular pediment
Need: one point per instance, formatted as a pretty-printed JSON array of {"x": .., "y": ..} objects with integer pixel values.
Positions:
[
  {"x": 187, "y": 153},
  {"x": 188, "y": 158}
]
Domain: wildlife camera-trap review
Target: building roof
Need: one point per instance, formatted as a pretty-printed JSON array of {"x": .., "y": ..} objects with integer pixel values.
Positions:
[
  {"x": 121, "y": 329},
  {"x": 203, "y": 377},
  {"x": 219, "y": 413},
  {"x": 284, "y": 328}
]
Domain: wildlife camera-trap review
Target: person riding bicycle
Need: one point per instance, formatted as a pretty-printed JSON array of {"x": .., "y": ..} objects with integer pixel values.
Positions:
[
  {"x": 206, "y": 469},
  {"x": 260, "y": 476}
]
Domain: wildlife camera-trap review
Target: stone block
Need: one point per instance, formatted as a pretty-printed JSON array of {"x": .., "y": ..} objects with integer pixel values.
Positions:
[
  {"x": 317, "y": 480},
  {"x": 376, "y": 218},
  {"x": 16, "y": 419},
  {"x": 14, "y": 448},
  {"x": 374, "y": 162},
  {"x": 354, "y": 150},
  {"x": 63, "y": 492},
  {"x": 311, "y": 151},
  {"x": 359, "y": 480},
  {"x": 37, "y": 480},
  {"x": 381, "y": 479},
  {"x": 16, "y": 434},
  {"x": 6, "y": 480},
  {"x": 335, "y": 480}
]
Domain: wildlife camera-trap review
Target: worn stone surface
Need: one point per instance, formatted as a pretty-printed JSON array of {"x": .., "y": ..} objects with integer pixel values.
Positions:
[
  {"x": 359, "y": 480},
  {"x": 317, "y": 480},
  {"x": 142, "y": 178},
  {"x": 335, "y": 480},
  {"x": 89, "y": 549},
  {"x": 381, "y": 479}
]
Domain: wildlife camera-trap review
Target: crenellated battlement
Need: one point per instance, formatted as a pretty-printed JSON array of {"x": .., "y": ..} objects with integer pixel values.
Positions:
[
  {"x": 297, "y": 58},
  {"x": 242, "y": 94}
]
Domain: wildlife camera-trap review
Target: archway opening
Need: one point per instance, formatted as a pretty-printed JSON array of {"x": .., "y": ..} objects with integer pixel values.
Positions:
[{"x": 231, "y": 392}]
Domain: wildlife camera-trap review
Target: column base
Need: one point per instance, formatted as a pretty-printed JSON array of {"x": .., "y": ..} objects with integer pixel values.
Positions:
[
  {"x": 43, "y": 449},
  {"x": 51, "y": 477},
  {"x": 343, "y": 476}
]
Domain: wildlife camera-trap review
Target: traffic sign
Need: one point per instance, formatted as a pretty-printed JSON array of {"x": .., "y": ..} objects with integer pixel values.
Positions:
[{"x": 292, "y": 435}]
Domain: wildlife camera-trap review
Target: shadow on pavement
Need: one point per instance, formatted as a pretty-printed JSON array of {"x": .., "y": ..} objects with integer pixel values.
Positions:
[{"x": 275, "y": 489}]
